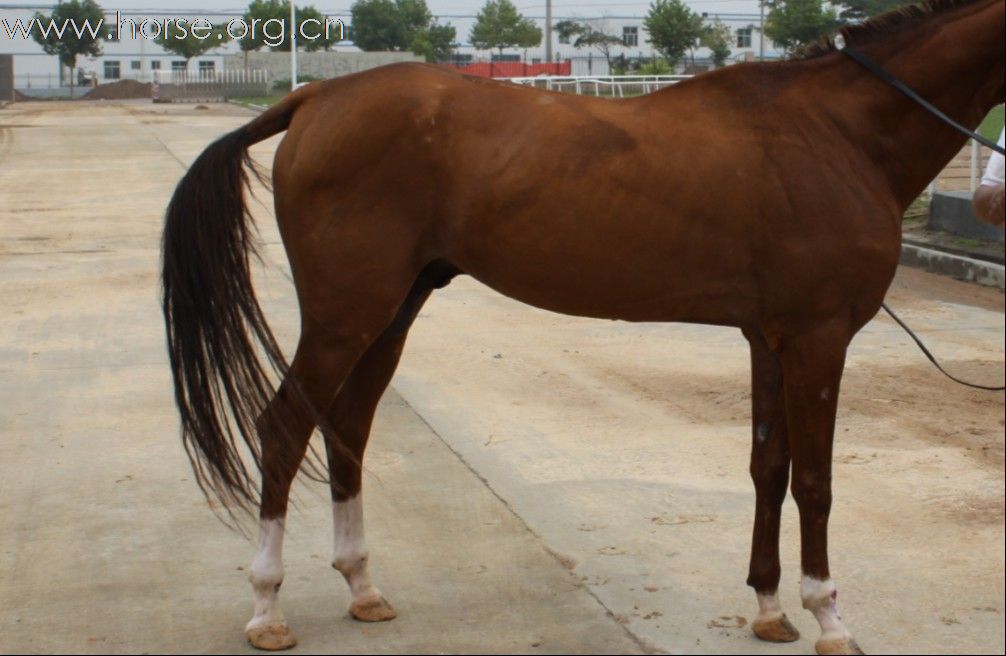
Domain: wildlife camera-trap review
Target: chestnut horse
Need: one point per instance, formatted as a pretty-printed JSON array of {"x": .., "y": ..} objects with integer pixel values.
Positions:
[{"x": 764, "y": 196}]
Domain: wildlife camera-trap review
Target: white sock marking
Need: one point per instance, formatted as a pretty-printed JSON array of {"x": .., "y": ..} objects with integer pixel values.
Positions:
[
  {"x": 768, "y": 607},
  {"x": 821, "y": 598},
  {"x": 351, "y": 549},
  {"x": 267, "y": 574}
]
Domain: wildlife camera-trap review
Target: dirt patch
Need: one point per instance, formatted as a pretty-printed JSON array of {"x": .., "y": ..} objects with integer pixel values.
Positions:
[
  {"x": 902, "y": 397},
  {"x": 912, "y": 286},
  {"x": 121, "y": 90}
]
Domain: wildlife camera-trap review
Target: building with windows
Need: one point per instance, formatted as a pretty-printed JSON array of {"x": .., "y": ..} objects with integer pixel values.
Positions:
[
  {"x": 747, "y": 43},
  {"x": 127, "y": 57},
  {"x": 126, "y": 53}
]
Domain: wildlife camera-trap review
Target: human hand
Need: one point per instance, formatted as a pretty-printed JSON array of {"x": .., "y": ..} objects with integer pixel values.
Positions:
[{"x": 989, "y": 204}]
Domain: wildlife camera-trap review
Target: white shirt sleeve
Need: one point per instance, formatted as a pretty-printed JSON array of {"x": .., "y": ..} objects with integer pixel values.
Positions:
[{"x": 994, "y": 172}]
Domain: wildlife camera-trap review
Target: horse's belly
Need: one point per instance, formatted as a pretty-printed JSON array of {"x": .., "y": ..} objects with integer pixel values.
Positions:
[{"x": 616, "y": 277}]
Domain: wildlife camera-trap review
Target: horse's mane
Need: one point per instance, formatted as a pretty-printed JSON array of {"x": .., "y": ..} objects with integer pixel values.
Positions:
[{"x": 878, "y": 26}]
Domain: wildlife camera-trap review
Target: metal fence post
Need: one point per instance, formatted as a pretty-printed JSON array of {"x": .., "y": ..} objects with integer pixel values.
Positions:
[{"x": 975, "y": 161}]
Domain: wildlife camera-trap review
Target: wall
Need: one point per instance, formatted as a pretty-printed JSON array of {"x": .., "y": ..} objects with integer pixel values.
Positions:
[
  {"x": 950, "y": 211},
  {"x": 6, "y": 78},
  {"x": 317, "y": 64}
]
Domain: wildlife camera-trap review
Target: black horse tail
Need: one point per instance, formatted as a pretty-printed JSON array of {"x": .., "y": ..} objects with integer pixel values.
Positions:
[{"x": 215, "y": 326}]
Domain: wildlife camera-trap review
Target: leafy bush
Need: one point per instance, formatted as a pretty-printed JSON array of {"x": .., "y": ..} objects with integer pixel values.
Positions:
[
  {"x": 655, "y": 67},
  {"x": 622, "y": 65},
  {"x": 283, "y": 85}
]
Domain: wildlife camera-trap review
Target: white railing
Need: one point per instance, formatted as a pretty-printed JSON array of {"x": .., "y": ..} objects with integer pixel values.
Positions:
[
  {"x": 38, "y": 81},
  {"x": 600, "y": 85},
  {"x": 238, "y": 76},
  {"x": 964, "y": 172},
  {"x": 976, "y": 158},
  {"x": 203, "y": 86}
]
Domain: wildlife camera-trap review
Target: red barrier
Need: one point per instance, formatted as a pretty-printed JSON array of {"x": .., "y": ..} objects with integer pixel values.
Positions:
[{"x": 514, "y": 69}]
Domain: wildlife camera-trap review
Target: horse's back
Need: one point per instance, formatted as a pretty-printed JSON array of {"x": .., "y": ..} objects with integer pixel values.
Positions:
[{"x": 653, "y": 208}]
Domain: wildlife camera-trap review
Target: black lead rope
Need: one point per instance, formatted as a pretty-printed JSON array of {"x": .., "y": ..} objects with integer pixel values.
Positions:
[
  {"x": 933, "y": 358},
  {"x": 877, "y": 70}
]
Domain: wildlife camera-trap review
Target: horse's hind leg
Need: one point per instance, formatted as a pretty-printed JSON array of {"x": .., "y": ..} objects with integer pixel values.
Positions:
[
  {"x": 285, "y": 428},
  {"x": 770, "y": 473},
  {"x": 348, "y": 423},
  {"x": 326, "y": 354},
  {"x": 812, "y": 373}
]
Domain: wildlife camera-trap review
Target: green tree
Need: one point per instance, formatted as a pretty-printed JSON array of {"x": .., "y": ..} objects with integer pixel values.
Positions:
[
  {"x": 249, "y": 42},
  {"x": 192, "y": 40},
  {"x": 276, "y": 12},
  {"x": 499, "y": 25},
  {"x": 322, "y": 37},
  {"x": 588, "y": 35},
  {"x": 400, "y": 25},
  {"x": 795, "y": 23},
  {"x": 435, "y": 42},
  {"x": 851, "y": 11},
  {"x": 74, "y": 39},
  {"x": 717, "y": 37},
  {"x": 674, "y": 29},
  {"x": 376, "y": 25},
  {"x": 567, "y": 30}
]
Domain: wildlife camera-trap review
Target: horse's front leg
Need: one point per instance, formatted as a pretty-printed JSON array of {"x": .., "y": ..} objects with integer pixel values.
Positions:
[
  {"x": 770, "y": 474},
  {"x": 812, "y": 372}
]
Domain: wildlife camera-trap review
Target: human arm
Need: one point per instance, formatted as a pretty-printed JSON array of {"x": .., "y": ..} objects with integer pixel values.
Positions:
[{"x": 989, "y": 202}]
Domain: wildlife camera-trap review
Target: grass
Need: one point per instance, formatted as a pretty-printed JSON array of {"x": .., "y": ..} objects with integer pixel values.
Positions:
[
  {"x": 969, "y": 242},
  {"x": 917, "y": 212},
  {"x": 993, "y": 124},
  {"x": 264, "y": 101}
]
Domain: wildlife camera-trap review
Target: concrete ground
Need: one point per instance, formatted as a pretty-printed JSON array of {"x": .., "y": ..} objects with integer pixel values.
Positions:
[{"x": 536, "y": 483}]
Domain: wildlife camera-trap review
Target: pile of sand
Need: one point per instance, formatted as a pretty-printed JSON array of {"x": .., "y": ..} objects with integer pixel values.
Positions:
[{"x": 121, "y": 90}]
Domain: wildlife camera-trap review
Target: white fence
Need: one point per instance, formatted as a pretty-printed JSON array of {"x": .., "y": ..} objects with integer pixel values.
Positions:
[
  {"x": 616, "y": 86},
  {"x": 185, "y": 86},
  {"x": 37, "y": 81},
  {"x": 48, "y": 86}
]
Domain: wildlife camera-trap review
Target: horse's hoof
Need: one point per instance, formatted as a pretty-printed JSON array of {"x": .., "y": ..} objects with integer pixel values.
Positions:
[
  {"x": 779, "y": 629},
  {"x": 373, "y": 610},
  {"x": 271, "y": 637},
  {"x": 838, "y": 646}
]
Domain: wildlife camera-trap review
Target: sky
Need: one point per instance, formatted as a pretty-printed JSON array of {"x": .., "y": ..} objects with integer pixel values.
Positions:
[{"x": 445, "y": 8}]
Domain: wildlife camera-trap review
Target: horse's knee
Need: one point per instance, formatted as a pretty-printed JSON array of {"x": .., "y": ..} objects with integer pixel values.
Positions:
[
  {"x": 770, "y": 475},
  {"x": 812, "y": 492}
]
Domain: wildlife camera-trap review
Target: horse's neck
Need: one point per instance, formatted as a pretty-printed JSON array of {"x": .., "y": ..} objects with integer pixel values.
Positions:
[{"x": 954, "y": 62}]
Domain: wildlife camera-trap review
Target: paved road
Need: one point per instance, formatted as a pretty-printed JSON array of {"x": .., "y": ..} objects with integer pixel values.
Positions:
[{"x": 536, "y": 483}]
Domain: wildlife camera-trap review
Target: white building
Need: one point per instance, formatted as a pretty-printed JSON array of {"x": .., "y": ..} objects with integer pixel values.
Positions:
[
  {"x": 126, "y": 57},
  {"x": 745, "y": 29},
  {"x": 126, "y": 53}
]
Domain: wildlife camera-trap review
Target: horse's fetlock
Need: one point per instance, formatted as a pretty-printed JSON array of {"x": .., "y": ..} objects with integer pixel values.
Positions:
[
  {"x": 817, "y": 593},
  {"x": 350, "y": 564}
]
